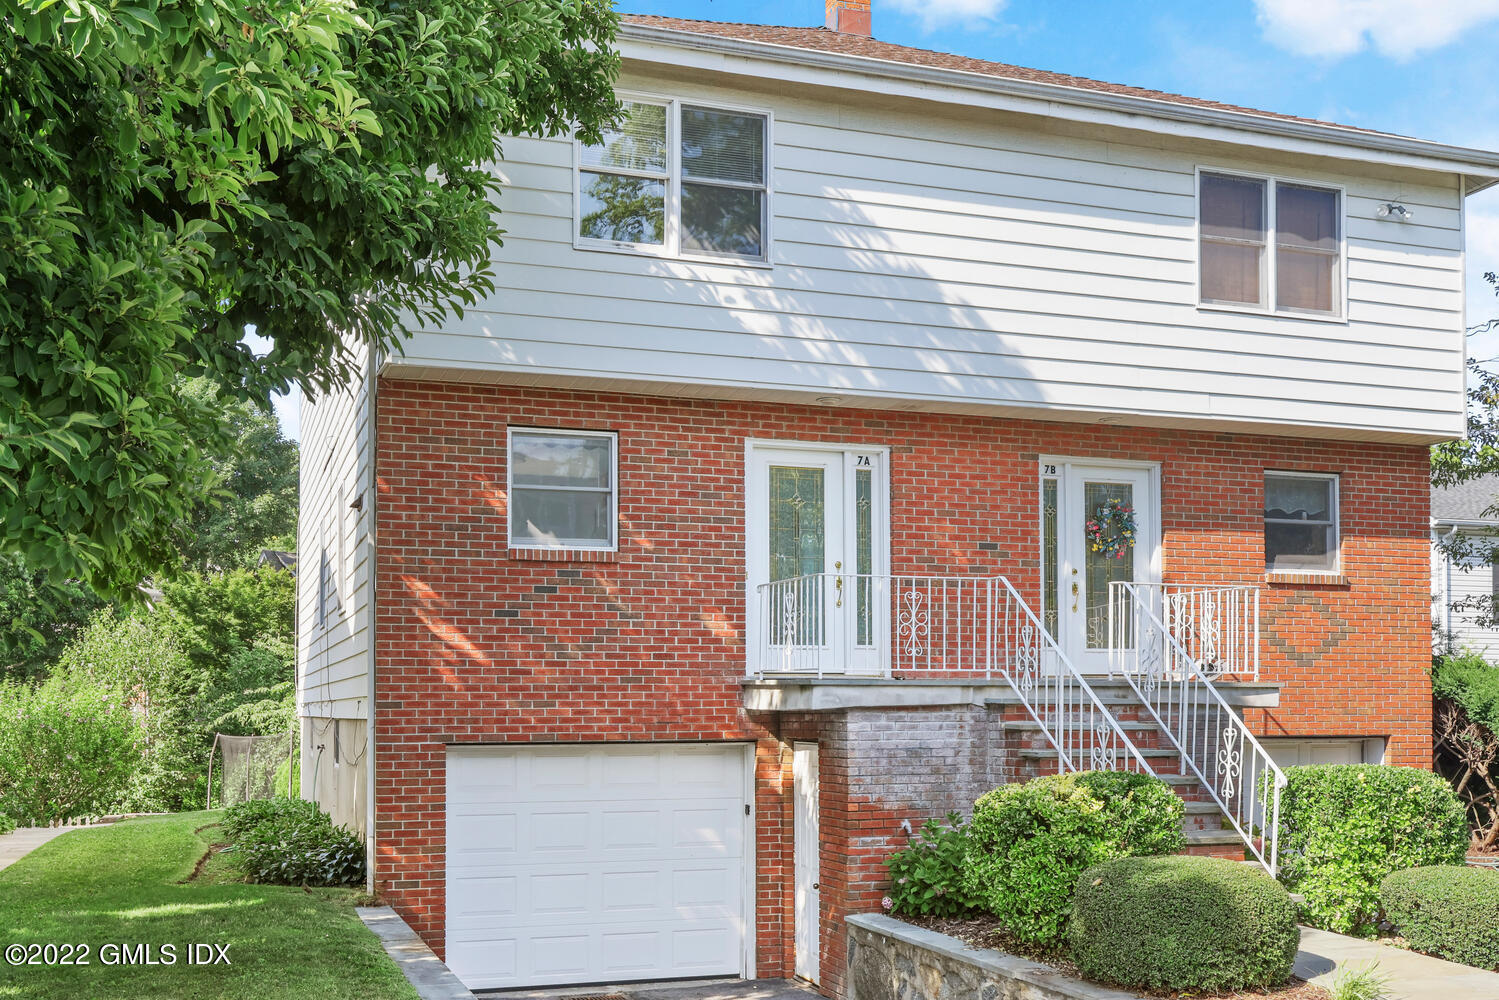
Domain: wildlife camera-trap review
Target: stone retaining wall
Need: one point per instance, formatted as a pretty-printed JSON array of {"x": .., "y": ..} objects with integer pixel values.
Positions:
[{"x": 889, "y": 959}]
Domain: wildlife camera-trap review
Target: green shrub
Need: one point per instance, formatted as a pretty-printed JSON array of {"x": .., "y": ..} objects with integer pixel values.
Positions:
[
  {"x": 1343, "y": 828},
  {"x": 1447, "y": 910},
  {"x": 1028, "y": 843},
  {"x": 1470, "y": 681},
  {"x": 138, "y": 660},
  {"x": 292, "y": 842},
  {"x": 926, "y": 878},
  {"x": 249, "y": 817},
  {"x": 1183, "y": 923},
  {"x": 65, "y": 751},
  {"x": 1466, "y": 717}
]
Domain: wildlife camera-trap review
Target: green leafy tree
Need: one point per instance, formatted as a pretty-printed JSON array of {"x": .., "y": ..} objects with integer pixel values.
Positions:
[
  {"x": 37, "y": 618},
  {"x": 1474, "y": 456},
  {"x": 134, "y": 659},
  {"x": 256, "y": 507},
  {"x": 172, "y": 172}
]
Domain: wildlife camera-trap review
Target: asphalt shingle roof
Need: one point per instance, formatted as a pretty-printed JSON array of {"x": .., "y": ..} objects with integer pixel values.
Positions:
[
  {"x": 826, "y": 40},
  {"x": 1466, "y": 501}
]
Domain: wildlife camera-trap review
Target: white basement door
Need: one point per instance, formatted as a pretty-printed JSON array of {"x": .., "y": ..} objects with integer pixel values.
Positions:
[{"x": 596, "y": 864}]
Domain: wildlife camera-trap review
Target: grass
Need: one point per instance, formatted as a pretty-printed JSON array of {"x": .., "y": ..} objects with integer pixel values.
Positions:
[
  {"x": 1360, "y": 984},
  {"x": 134, "y": 883}
]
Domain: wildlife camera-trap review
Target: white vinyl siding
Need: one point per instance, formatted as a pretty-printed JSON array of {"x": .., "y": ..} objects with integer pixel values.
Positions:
[
  {"x": 333, "y": 548},
  {"x": 1454, "y": 582},
  {"x": 928, "y": 259}
]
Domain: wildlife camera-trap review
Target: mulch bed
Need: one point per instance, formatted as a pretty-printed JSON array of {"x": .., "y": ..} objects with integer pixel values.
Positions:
[{"x": 985, "y": 932}]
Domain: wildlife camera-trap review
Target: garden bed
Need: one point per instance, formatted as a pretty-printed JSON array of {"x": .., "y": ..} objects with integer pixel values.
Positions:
[{"x": 965, "y": 959}]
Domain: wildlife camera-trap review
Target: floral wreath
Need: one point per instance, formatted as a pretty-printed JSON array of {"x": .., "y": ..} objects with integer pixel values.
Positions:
[{"x": 1111, "y": 529}]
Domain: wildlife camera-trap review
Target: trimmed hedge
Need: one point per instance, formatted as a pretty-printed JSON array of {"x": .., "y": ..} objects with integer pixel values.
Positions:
[
  {"x": 1446, "y": 910},
  {"x": 1028, "y": 843},
  {"x": 1183, "y": 923},
  {"x": 1344, "y": 827}
]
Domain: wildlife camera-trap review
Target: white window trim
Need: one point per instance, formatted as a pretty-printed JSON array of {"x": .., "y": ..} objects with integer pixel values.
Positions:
[
  {"x": 1270, "y": 277},
  {"x": 671, "y": 248},
  {"x": 563, "y": 546},
  {"x": 1337, "y": 522}
]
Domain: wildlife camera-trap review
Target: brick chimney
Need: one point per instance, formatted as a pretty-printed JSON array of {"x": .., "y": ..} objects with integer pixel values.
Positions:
[{"x": 849, "y": 16}]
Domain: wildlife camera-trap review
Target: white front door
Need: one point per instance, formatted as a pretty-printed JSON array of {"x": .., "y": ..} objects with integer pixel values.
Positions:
[
  {"x": 807, "y": 845},
  {"x": 1076, "y": 574},
  {"x": 597, "y": 863},
  {"x": 815, "y": 533}
]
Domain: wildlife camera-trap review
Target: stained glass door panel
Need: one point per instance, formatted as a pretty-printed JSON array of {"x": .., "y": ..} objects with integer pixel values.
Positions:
[
  {"x": 1100, "y": 567},
  {"x": 796, "y": 513}
]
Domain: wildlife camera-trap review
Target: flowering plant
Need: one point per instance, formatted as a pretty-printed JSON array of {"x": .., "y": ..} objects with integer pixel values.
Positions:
[{"x": 1111, "y": 530}]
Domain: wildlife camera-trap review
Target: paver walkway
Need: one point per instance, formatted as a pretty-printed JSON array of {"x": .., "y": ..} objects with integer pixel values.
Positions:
[
  {"x": 22, "y": 841},
  {"x": 1412, "y": 976}
]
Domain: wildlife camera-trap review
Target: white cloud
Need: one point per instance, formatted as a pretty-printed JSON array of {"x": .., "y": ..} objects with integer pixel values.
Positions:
[
  {"x": 1396, "y": 28},
  {"x": 935, "y": 14}
]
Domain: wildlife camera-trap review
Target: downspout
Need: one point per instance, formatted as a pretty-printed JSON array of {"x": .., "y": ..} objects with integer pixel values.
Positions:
[
  {"x": 372, "y": 442},
  {"x": 1447, "y": 587}
]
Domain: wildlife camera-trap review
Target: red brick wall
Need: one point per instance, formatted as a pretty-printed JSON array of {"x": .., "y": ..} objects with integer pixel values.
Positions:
[{"x": 474, "y": 645}]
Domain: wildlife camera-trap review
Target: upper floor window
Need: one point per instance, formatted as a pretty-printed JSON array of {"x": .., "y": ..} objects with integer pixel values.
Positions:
[
  {"x": 1265, "y": 241},
  {"x": 562, "y": 489},
  {"x": 1301, "y": 522},
  {"x": 677, "y": 179}
]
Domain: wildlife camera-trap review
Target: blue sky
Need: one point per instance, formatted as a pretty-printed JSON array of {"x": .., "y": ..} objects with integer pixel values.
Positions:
[{"x": 1424, "y": 68}]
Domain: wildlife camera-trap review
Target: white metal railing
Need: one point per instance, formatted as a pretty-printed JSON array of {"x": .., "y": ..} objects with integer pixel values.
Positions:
[
  {"x": 1214, "y": 743},
  {"x": 1218, "y": 624},
  {"x": 910, "y": 627}
]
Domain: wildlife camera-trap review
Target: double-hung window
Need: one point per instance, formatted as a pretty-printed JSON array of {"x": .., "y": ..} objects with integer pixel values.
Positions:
[
  {"x": 562, "y": 489},
  {"x": 678, "y": 179},
  {"x": 1301, "y": 522},
  {"x": 1268, "y": 244}
]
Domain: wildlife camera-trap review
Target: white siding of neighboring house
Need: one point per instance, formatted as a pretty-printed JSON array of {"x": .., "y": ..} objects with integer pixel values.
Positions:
[
  {"x": 1452, "y": 582},
  {"x": 930, "y": 257},
  {"x": 333, "y": 658}
]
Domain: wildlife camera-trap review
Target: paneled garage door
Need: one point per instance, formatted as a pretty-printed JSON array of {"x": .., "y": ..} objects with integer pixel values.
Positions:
[{"x": 594, "y": 864}]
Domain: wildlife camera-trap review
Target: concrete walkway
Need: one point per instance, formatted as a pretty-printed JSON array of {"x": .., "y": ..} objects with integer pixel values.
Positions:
[
  {"x": 23, "y": 840},
  {"x": 1411, "y": 976},
  {"x": 431, "y": 979}
]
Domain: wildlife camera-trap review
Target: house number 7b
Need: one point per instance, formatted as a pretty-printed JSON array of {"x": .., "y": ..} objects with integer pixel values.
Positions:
[{"x": 1048, "y": 470}]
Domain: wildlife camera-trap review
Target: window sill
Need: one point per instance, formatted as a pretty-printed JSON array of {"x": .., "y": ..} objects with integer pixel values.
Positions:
[
  {"x": 1308, "y": 579},
  {"x": 658, "y": 253},
  {"x": 1271, "y": 313},
  {"x": 562, "y": 555}
]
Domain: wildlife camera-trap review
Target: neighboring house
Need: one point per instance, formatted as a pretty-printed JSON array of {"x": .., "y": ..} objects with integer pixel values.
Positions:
[
  {"x": 650, "y": 602},
  {"x": 1464, "y": 509}
]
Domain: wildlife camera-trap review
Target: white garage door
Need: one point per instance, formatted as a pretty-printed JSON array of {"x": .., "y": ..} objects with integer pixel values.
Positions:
[{"x": 593, "y": 864}]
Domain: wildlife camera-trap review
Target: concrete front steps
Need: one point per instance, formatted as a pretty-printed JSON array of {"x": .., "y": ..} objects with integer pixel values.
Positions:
[{"x": 1204, "y": 825}]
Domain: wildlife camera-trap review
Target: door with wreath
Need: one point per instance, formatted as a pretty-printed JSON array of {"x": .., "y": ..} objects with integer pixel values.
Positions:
[{"x": 1104, "y": 525}]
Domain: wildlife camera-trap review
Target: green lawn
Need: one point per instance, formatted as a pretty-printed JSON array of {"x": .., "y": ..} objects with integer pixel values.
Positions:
[{"x": 121, "y": 885}]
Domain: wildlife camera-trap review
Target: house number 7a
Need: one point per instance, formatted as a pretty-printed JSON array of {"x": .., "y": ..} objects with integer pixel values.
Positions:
[
  {"x": 1048, "y": 470},
  {"x": 862, "y": 460}
]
